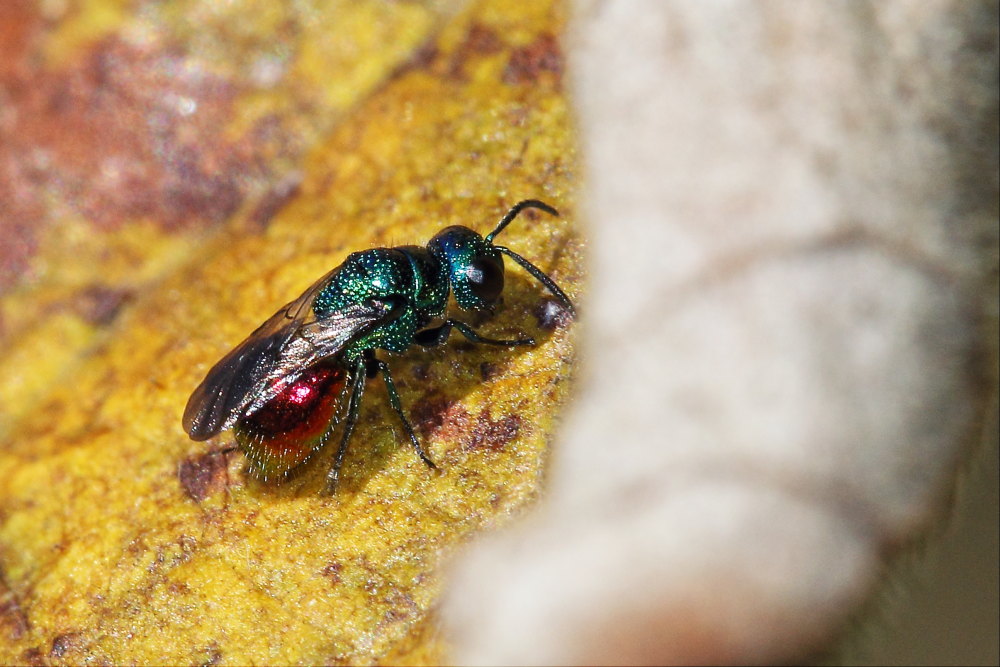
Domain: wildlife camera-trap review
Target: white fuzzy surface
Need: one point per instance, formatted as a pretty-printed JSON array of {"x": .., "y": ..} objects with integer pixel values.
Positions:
[{"x": 781, "y": 331}]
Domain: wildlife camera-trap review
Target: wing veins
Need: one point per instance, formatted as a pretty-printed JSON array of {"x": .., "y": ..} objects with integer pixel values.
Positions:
[{"x": 277, "y": 353}]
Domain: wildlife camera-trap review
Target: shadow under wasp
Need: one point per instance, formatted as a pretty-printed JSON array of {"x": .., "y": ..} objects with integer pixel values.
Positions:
[{"x": 286, "y": 387}]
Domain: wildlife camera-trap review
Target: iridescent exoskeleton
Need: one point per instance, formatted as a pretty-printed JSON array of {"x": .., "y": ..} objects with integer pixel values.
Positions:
[{"x": 283, "y": 390}]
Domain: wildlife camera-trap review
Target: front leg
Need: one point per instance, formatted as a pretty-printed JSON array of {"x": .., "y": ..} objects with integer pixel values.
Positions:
[{"x": 438, "y": 335}]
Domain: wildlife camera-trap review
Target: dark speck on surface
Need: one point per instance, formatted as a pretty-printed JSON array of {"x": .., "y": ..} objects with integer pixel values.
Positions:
[
  {"x": 551, "y": 315},
  {"x": 200, "y": 476},
  {"x": 488, "y": 370}
]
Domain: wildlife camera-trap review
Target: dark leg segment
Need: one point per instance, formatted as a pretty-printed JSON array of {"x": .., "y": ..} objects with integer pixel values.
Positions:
[
  {"x": 353, "y": 408},
  {"x": 390, "y": 387},
  {"x": 438, "y": 335}
]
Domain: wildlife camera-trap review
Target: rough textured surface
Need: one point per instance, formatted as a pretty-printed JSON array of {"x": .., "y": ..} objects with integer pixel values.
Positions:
[
  {"x": 793, "y": 225},
  {"x": 217, "y": 159}
]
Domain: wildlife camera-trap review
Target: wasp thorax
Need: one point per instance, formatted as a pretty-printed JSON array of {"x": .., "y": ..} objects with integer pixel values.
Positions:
[{"x": 474, "y": 266}]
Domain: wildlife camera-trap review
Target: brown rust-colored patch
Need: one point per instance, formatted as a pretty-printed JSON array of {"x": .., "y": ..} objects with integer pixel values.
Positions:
[
  {"x": 201, "y": 476},
  {"x": 527, "y": 63},
  {"x": 21, "y": 27},
  {"x": 332, "y": 571},
  {"x": 34, "y": 657},
  {"x": 127, "y": 131},
  {"x": 19, "y": 225},
  {"x": 488, "y": 370},
  {"x": 421, "y": 58},
  {"x": 479, "y": 40},
  {"x": 100, "y": 304},
  {"x": 436, "y": 414},
  {"x": 178, "y": 588},
  {"x": 12, "y": 617},
  {"x": 493, "y": 434}
]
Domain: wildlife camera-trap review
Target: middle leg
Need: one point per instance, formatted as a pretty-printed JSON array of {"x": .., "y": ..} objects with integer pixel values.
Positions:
[{"x": 390, "y": 387}]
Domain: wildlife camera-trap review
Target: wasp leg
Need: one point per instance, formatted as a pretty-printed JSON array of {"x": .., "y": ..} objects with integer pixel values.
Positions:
[
  {"x": 438, "y": 335},
  {"x": 353, "y": 408},
  {"x": 390, "y": 387},
  {"x": 541, "y": 277}
]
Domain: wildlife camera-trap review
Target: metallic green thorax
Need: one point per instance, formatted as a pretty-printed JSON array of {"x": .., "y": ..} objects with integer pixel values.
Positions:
[{"x": 411, "y": 273}]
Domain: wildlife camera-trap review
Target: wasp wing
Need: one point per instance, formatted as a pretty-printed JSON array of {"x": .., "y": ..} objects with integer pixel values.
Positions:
[{"x": 276, "y": 354}]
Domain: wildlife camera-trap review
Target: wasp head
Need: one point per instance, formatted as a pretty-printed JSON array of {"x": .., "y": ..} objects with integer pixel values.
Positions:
[{"x": 473, "y": 264}]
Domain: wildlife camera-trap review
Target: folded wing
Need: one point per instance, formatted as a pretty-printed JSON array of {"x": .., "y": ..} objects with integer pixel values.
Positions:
[{"x": 284, "y": 346}]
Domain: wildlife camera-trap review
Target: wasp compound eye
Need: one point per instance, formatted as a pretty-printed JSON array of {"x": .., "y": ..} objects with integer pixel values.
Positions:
[{"x": 485, "y": 278}]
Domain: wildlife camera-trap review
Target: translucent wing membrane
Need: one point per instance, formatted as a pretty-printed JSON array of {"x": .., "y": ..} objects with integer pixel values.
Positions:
[{"x": 275, "y": 355}]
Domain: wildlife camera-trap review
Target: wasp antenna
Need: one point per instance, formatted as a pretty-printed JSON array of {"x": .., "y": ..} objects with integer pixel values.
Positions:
[
  {"x": 542, "y": 278},
  {"x": 513, "y": 212}
]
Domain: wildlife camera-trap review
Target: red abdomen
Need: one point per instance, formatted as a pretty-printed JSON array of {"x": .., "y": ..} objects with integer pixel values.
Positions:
[{"x": 287, "y": 430}]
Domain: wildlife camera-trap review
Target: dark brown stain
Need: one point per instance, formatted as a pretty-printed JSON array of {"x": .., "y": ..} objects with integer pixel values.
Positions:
[
  {"x": 100, "y": 304},
  {"x": 201, "y": 476},
  {"x": 493, "y": 434},
  {"x": 33, "y": 657},
  {"x": 488, "y": 370},
  {"x": 332, "y": 571},
  {"x": 63, "y": 643},
  {"x": 12, "y": 617},
  {"x": 437, "y": 414},
  {"x": 395, "y": 615},
  {"x": 421, "y": 58},
  {"x": 479, "y": 40},
  {"x": 527, "y": 63},
  {"x": 187, "y": 544}
]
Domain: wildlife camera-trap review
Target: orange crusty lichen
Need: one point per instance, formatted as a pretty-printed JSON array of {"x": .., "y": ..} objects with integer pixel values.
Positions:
[{"x": 123, "y": 541}]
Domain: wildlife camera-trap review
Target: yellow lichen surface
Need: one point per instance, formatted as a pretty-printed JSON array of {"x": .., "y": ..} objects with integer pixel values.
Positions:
[
  {"x": 179, "y": 103},
  {"x": 122, "y": 541}
]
